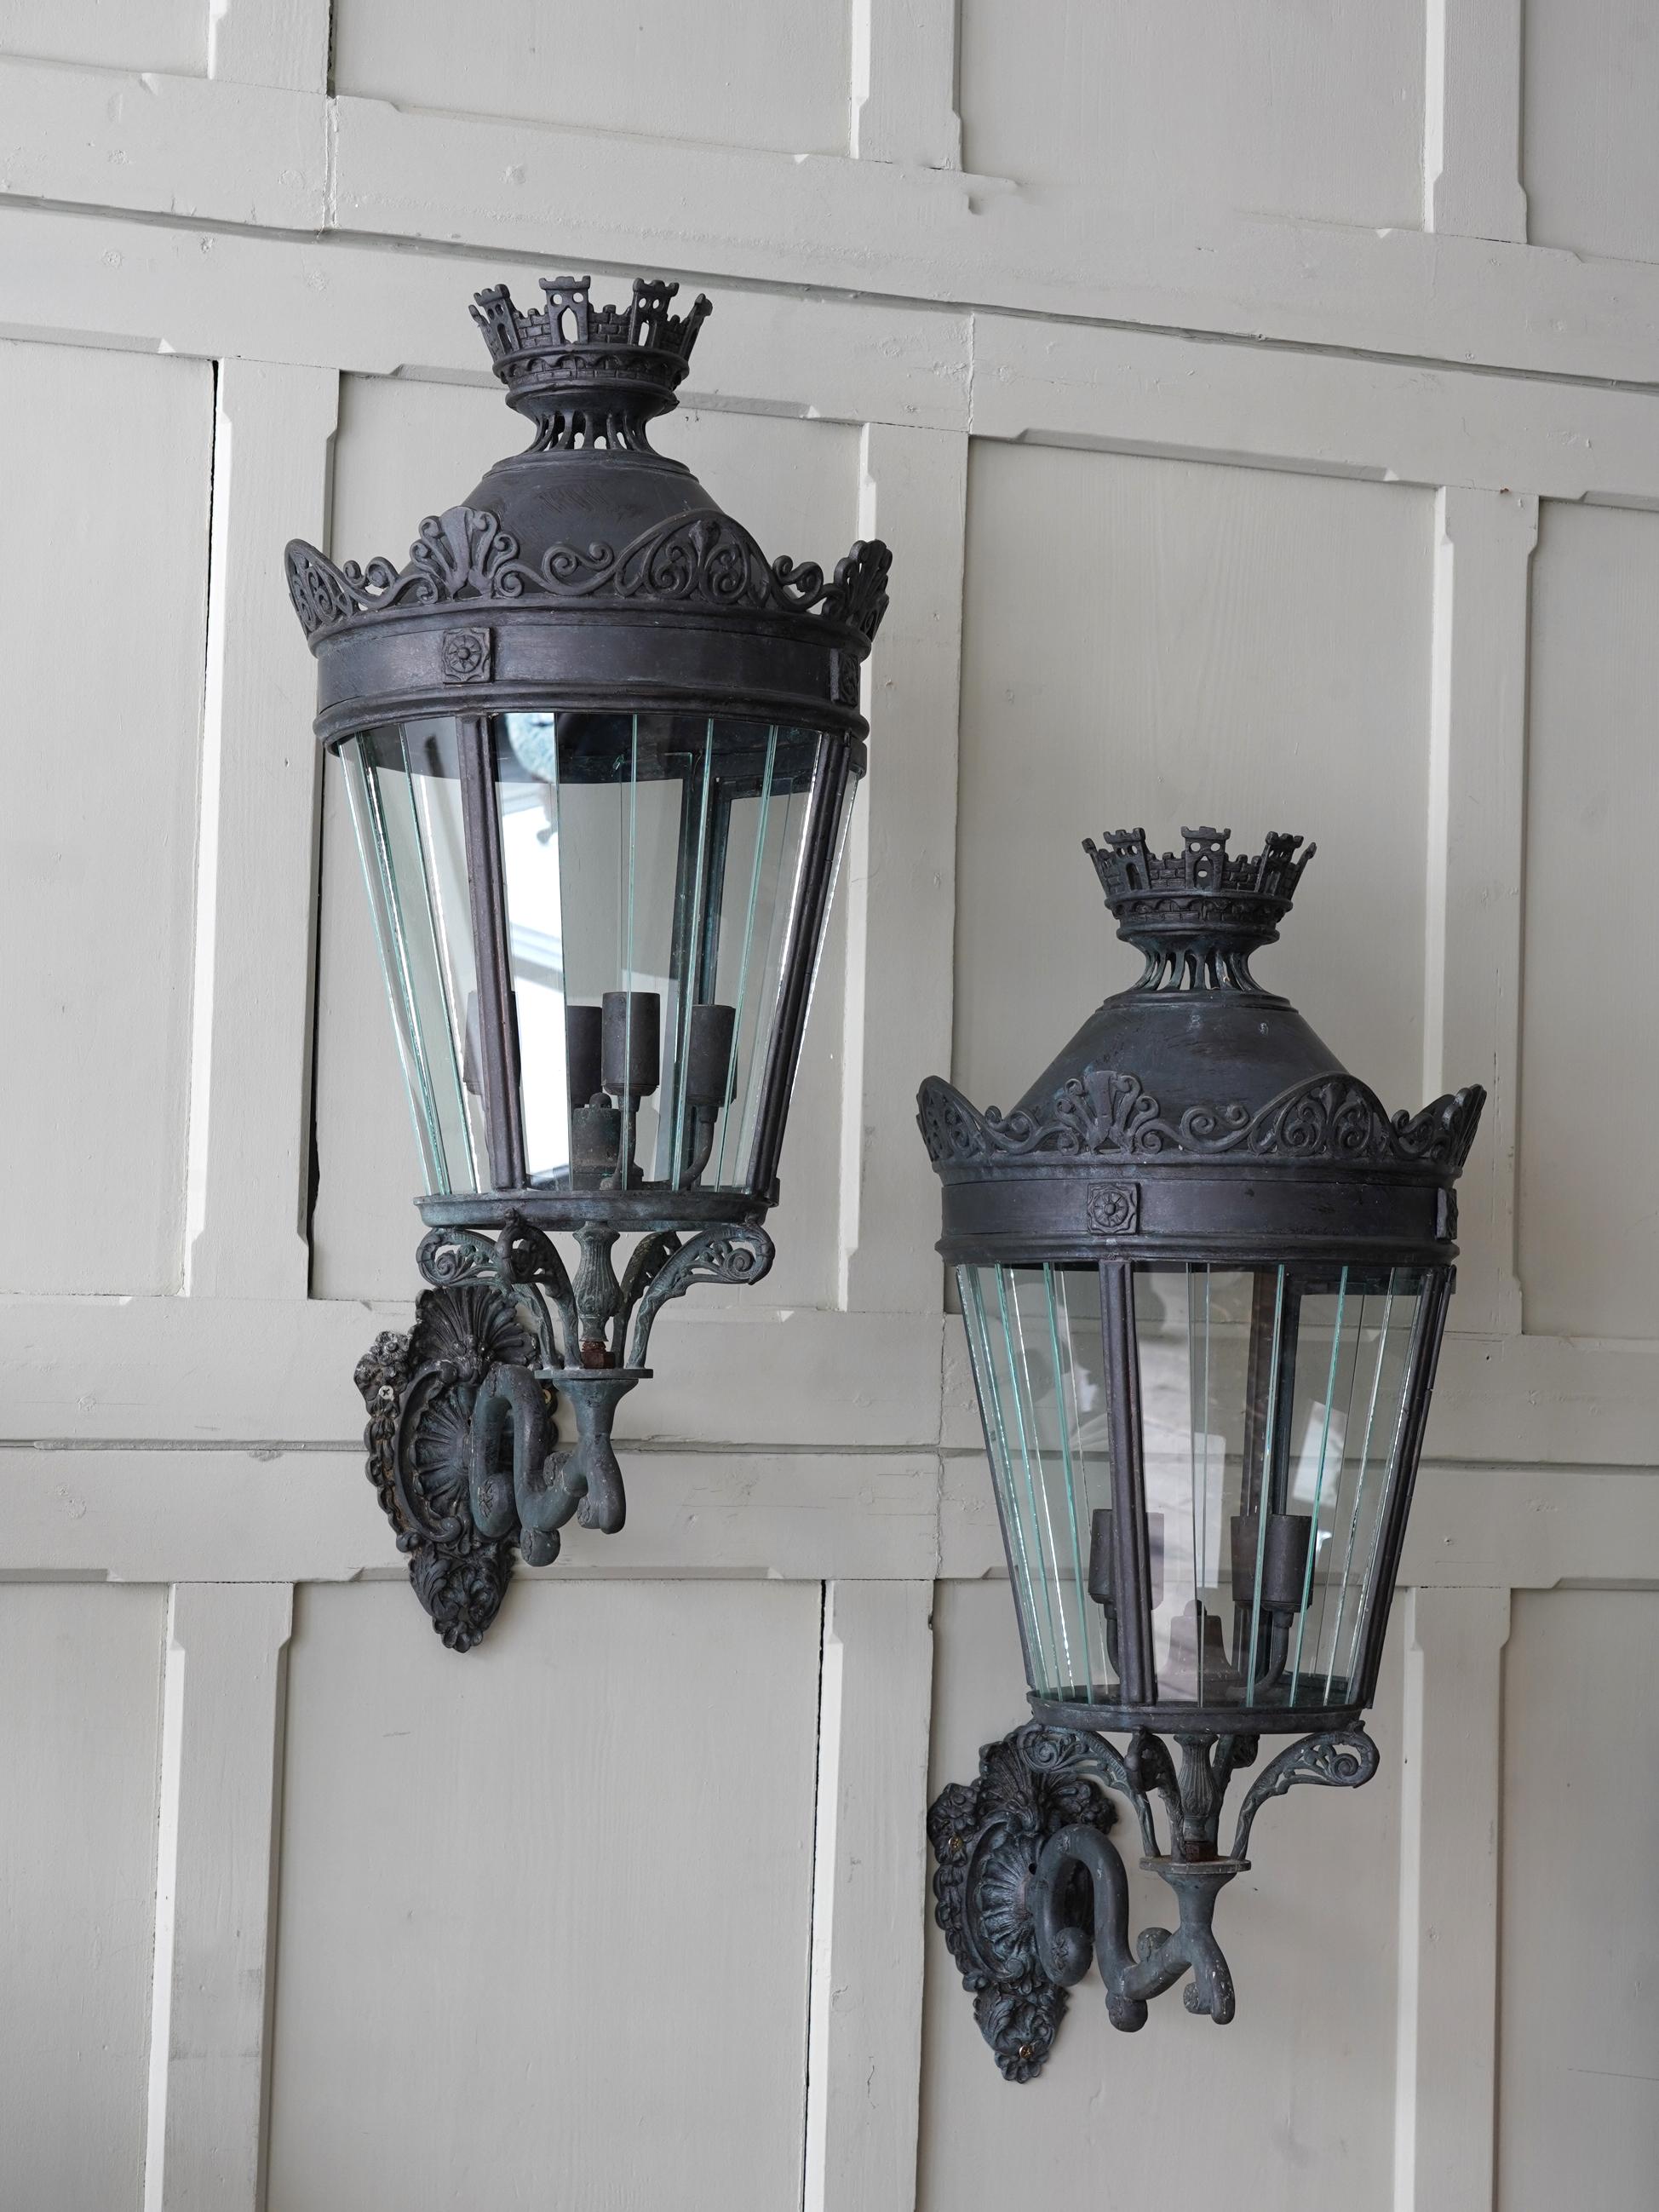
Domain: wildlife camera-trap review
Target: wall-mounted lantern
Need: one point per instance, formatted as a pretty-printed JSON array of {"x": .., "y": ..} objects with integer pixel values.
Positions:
[
  {"x": 601, "y": 753},
  {"x": 1204, "y": 1276}
]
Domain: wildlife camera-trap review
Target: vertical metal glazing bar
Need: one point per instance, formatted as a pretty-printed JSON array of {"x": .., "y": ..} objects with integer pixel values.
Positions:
[
  {"x": 498, "y": 1022},
  {"x": 1423, "y": 1359},
  {"x": 1319, "y": 1484},
  {"x": 819, "y": 848},
  {"x": 1131, "y": 1558},
  {"x": 689, "y": 962},
  {"x": 1266, "y": 1489},
  {"x": 1065, "y": 1399},
  {"x": 1360, "y": 1482},
  {"x": 736, "y": 1109},
  {"x": 454, "y": 1060}
]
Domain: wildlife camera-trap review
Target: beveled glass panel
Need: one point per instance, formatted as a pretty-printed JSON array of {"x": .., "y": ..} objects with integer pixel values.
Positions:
[
  {"x": 403, "y": 785},
  {"x": 1272, "y": 1405},
  {"x": 653, "y": 873}
]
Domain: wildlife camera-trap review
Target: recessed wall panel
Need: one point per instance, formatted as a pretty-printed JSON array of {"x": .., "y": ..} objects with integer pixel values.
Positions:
[
  {"x": 1578, "y": 2037},
  {"x": 748, "y": 73},
  {"x": 405, "y": 449},
  {"x": 80, "y": 1748},
  {"x": 1589, "y": 155},
  {"x": 545, "y": 1909},
  {"x": 1590, "y": 1043},
  {"x": 1309, "y": 110},
  {"x": 106, "y": 460},
  {"x": 1169, "y": 644},
  {"x": 169, "y": 35}
]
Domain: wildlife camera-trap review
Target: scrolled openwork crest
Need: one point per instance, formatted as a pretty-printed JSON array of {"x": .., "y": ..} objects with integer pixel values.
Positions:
[
  {"x": 702, "y": 560},
  {"x": 1104, "y": 1113}
]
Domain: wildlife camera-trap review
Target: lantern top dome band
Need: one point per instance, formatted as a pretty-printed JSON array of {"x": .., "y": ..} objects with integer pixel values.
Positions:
[
  {"x": 589, "y": 571},
  {"x": 1196, "y": 1117}
]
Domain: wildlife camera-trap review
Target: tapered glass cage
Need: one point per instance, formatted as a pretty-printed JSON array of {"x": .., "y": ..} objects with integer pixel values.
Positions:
[
  {"x": 1202, "y": 1473},
  {"x": 600, "y": 934}
]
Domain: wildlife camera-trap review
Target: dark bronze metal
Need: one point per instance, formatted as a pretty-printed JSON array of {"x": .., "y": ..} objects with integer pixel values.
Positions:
[
  {"x": 588, "y": 572},
  {"x": 1194, "y": 1119},
  {"x": 1029, "y": 1886},
  {"x": 461, "y": 1440}
]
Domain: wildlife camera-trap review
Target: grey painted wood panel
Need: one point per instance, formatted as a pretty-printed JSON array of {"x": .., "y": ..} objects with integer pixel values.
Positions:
[
  {"x": 1579, "y": 2024},
  {"x": 80, "y": 1736},
  {"x": 134, "y": 35},
  {"x": 1311, "y": 109},
  {"x": 544, "y": 1909},
  {"x": 1590, "y": 163},
  {"x": 1588, "y": 1195},
  {"x": 110, "y": 455},
  {"x": 657, "y": 68}
]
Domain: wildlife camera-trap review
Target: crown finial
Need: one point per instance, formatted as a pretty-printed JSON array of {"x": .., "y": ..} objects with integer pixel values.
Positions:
[
  {"x": 590, "y": 377},
  {"x": 1198, "y": 915}
]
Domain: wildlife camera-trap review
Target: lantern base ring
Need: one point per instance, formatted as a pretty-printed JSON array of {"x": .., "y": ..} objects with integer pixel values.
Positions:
[{"x": 1029, "y": 1887}]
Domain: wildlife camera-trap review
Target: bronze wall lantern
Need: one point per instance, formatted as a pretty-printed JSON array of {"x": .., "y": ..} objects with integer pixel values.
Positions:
[
  {"x": 1204, "y": 1276},
  {"x": 601, "y": 753}
]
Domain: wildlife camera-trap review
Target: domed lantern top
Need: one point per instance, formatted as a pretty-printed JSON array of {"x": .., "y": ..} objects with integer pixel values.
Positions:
[
  {"x": 600, "y": 753},
  {"x": 1204, "y": 1275}
]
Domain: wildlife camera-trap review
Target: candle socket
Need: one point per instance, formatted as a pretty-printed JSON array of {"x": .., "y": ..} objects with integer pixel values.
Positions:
[{"x": 631, "y": 1047}]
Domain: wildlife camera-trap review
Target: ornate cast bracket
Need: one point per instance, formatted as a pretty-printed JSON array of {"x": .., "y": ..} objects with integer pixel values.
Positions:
[
  {"x": 1029, "y": 1887},
  {"x": 461, "y": 1442}
]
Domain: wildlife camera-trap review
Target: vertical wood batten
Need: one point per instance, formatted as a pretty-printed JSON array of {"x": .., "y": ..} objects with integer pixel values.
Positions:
[
  {"x": 1447, "y": 2049},
  {"x": 869, "y": 1898},
  {"x": 1484, "y": 543},
  {"x": 1472, "y": 94},
  {"x": 904, "y": 83},
  {"x": 221, "y": 1701},
  {"x": 900, "y": 873},
  {"x": 273, "y": 42},
  {"x": 250, "y": 1106}
]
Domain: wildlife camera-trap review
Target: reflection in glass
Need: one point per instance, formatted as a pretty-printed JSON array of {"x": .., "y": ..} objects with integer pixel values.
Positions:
[
  {"x": 403, "y": 783},
  {"x": 1272, "y": 1405},
  {"x": 654, "y": 867}
]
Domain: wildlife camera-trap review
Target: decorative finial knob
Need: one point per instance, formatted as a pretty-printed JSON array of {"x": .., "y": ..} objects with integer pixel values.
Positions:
[
  {"x": 1198, "y": 915},
  {"x": 590, "y": 377}
]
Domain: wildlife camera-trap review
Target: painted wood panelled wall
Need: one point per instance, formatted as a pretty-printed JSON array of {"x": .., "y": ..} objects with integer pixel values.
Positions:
[{"x": 1262, "y": 406}]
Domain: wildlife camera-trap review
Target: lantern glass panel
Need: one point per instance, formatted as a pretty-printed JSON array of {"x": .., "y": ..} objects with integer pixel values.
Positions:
[
  {"x": 403, "y": 781},
  {"x": 1277, "y": 1386},
  {"x": 656, "y": 890}
]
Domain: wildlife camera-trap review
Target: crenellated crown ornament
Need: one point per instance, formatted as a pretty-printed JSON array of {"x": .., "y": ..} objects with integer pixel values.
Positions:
[
  {"x": 1198, "y": 915},
  {"x": 590, "y": 374}
]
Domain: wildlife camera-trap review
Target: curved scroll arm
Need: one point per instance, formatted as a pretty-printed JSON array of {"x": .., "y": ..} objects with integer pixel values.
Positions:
[
  {"x": 529, "y": 1255},
  {"x": 447, "y": 1257},
  {"x": 646, "y": 1262},
  {"x": 1056, "y": 1752},
  {"x": 1342, "y": 1759},
  {"x": 726, "y": 1252}
]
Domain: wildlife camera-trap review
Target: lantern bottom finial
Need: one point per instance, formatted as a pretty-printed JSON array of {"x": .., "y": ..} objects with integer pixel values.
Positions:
[{"x": 1029, "y": 1887}]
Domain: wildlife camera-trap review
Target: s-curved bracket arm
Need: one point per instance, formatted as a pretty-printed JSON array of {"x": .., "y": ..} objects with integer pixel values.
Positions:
[
  {"x": 1343, "y": 1759},
  {"x": 726, "y": 1252}
]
